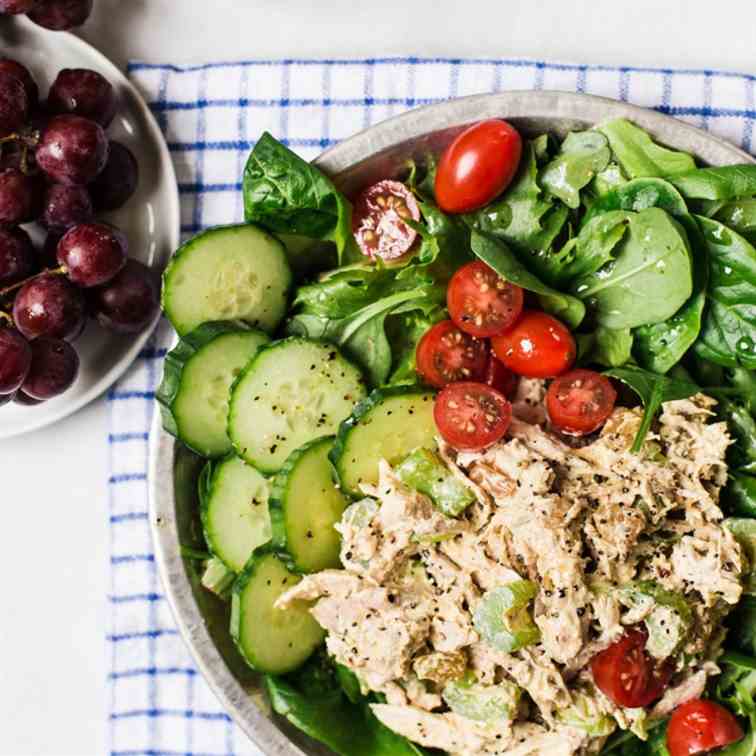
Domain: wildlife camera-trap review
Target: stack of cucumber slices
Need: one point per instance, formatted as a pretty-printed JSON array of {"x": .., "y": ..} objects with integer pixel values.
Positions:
[{"x": 286, "y": 425}]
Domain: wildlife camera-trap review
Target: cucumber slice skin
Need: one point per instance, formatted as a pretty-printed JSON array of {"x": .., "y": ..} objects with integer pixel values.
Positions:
[
  {"x": 234, "y": 524},
  {"x": 304, "y": 506},
  {"x": 180, "y": 366},
  {"x": 270, "y": 640},
  {"x": 400, "y": 420},
  {"x": 294, "y": 391},
  {"x": 198, "y": 284}
]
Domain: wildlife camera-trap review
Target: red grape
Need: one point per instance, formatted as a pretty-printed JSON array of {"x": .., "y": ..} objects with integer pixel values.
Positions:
[
  {"x": 21, "y": 398},
  {"x": 15, "y": 360},
  {"x": 118, "y": 180},
  {"x": 65, "y": 206},
  {"x": 14, "y": 7},
  {"x": 84, "y": 93},
  {"x": 22, "y": 73},
  {"x": 50, "y": 305},
  {"x": 54, "y": 366},
  {"x": 14, "y": 104},
  {"x": 129, "y": 302},
  {"x": 73, "y": 150},
  {"x": 17, "y": 258},
  {"x": 61, "y": 15},
  {"x": 19, "y": 197},
  {"x": 92, "y": 253}
]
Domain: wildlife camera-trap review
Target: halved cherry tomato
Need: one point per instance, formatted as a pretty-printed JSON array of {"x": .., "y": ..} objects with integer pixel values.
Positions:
[
  {"x": 501, "y": 378},
  {"x": 481, "y": 302},
  {"x": 698, "y": 726},
  {"x": 378, "y": 220},
  {"x": 477, "y": 166},
  {"x": 580, "y": 401},
  {"x": 446, "y": 354},
  {"x": 626, "y": 673},
  {"x": 471, "y": 416},
  {"x": 537, "y": 346}
]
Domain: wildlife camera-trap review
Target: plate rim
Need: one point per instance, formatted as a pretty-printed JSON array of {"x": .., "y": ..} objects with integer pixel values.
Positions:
[
  {"x": 107, "y": 379},
  {"x": 361, "y": 147}
]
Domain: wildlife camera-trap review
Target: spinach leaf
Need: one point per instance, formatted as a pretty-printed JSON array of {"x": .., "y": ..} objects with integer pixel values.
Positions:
[
  {"x": 741, "y": 456},
  {"x": 583, "y": 154},
  {"x": 639, "y": 155},
  {"x": 350, "y": 308},
  {"x": 744, "y": 383},
  {"x": 313, "y": 701},
  {"x": 607, "y": 180},
  {"x": 613, "y": 347},
  {"x": 649, "y": 278},
  {"x": 404, "y": 330},
  {"x": 495, "y": 253},
  {"x": 658, "y": 347},
  {"x": 740, "y": 216},
  {"x": 739, "y": 498},
  {"x": 727, "y": 182},
  {"x": 640, "y": 194},
  {"x": 525, "y": 219},
  {"x": 624, "y": 743},
  {"x": 728, "y": 334},
  {"x": 284, "y": 193},
  {"x": 653, "y": 391},
  {"x": 594, "y": 246},
  {"x": 742, "y": 634}
]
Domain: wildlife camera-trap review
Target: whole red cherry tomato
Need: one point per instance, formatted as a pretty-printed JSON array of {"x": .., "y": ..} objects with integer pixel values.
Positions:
[{"x": 477, "y": 166}]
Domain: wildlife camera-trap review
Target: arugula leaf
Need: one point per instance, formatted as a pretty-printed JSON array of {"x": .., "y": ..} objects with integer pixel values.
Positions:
[
  {"x": 739, "y": 216},
  {"x": 658, "y": 347},
  {"x": 525, "y": 219},
  {"x": 497, "y": 255},
  {"x": 639, "y": 155},
  {"x": 649, "y": 278},
  {"x": 284, "y": 193},
  {"x": 640, "y": 194},
  {"x": 583, "y": 154},
  {"x": 313, "y": 701},
  {"x": 727, "y": 182},
  {"x": 728, "y": 334},
  {"x": 624, "y": 743},
  {"x": 653, "y": 391}
]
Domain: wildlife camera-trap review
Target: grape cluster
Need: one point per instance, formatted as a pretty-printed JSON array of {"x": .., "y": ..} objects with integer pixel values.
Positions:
[
  {"x": 58, "y": 168},
  {"x": 58, "y": 15}
]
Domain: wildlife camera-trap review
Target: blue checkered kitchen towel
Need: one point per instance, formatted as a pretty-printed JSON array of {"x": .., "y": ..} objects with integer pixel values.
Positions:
[{"x": 211, "y": 116}]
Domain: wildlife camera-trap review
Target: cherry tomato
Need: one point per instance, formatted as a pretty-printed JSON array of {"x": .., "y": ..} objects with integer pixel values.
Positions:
[
  {"x": 471, "y": 416},
  {"x": 697, "y": 726},
  {"x": 378, "y": 220},
  {"x": 626, "y": 674},
  {"x": 580, "y": 401},
  {"x": 481, "y": 302},
  {"x": 537, "y": 346},
  {"x": 445, "y": 354},
  {"x": 477, "y": 166},
  {"x": 501, "y": 378}
]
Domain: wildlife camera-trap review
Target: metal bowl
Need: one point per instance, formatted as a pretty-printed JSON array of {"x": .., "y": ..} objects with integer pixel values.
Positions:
[{"x": 376, "y": 153}]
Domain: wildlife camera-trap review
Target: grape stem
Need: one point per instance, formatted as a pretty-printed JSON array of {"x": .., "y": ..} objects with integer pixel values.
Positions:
[
  {"x": 49, "y": 271},
  {"x": 6, "y": 316}
]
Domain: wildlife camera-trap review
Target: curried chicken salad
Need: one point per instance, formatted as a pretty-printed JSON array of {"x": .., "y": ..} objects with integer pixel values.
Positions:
[{"x": 480, "y": 445}]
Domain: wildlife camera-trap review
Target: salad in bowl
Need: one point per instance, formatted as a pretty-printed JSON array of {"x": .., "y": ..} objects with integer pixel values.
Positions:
[{"x": 480, "y": 444}]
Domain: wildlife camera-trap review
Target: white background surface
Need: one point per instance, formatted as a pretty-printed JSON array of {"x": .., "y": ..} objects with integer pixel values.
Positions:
[{"x": 53, "y": 493}]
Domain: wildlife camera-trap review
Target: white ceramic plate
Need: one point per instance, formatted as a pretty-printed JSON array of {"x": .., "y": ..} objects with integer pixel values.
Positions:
[{"x": 150, "y": 219}]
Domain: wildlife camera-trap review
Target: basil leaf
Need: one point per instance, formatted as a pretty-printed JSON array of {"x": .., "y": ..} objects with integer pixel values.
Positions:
[
  {"x": 649, "y": 278},
  {"x": 583, "y": 154},
  {"x": 639, "y": 155},
  {"x": 728, "y": 333},
  {"x": 658, "y": 347},
  {"x": 284, "y": 193},
  {"x": 653, "y": 391},
  {"x": 498, "y": 256},
  {"x": 727, "y": 182}
]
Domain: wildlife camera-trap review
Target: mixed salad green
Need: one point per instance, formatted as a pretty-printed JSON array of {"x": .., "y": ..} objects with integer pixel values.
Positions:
[{"x": 646, "y": 257}]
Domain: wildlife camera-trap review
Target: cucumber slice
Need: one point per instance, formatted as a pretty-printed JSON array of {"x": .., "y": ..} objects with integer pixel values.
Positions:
[
  {"x": 387, "y": 425},
  {"x": 197, "y": 378},
  {"x": 227, "y": 273},
  {"x": 271, "y": 640},
  {"x": 292, "y": 392},
  {"x": 304, "y": 505},
  {"x": 234, "y": 510}
]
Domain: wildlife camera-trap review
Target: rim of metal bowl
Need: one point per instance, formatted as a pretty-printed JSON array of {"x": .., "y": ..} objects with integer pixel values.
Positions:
[{"x": 338, "y": 161}]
